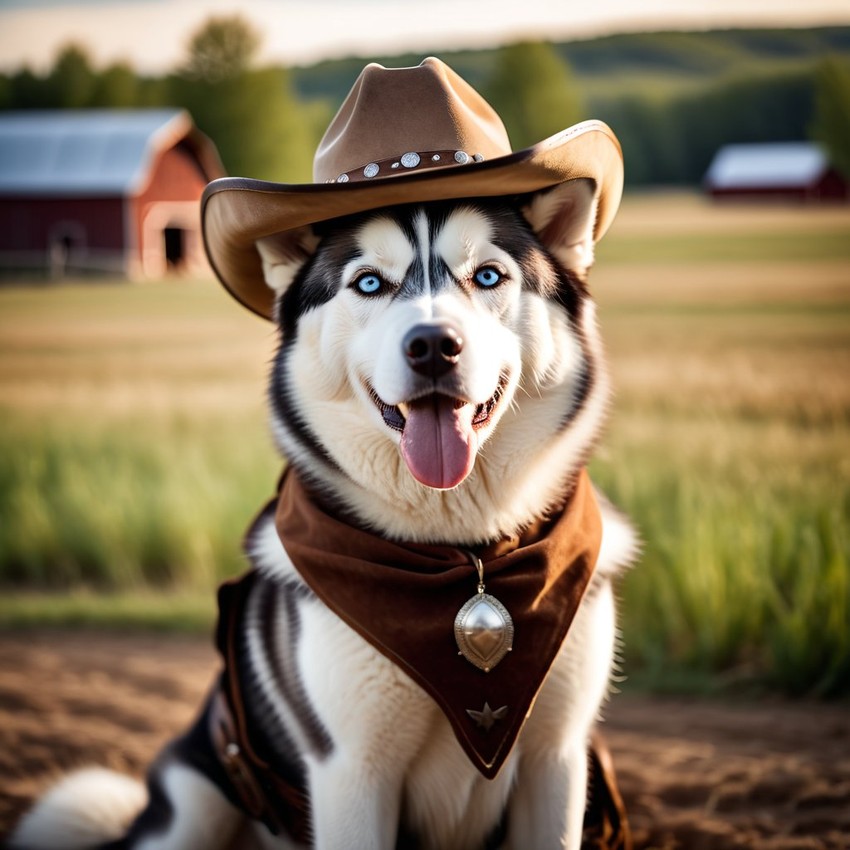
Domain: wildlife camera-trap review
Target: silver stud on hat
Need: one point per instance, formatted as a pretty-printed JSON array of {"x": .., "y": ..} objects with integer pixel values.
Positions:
[{"x": 411, "y": 159}]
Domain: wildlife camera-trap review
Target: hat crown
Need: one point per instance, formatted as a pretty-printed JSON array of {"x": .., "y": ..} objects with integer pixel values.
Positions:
[{"x": 393, "y": 111}]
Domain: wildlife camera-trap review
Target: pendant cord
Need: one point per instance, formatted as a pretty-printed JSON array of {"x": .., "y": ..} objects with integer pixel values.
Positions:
[{"x": 479, "y": 567}]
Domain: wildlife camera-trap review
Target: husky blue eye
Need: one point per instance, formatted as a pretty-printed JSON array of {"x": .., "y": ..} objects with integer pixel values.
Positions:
[
  {"x": 487, "y": 276},
  {"x": 368, "y": 284}
]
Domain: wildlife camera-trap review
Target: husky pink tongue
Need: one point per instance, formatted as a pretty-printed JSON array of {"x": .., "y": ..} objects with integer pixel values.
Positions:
[{"x": 438, "y": 443}]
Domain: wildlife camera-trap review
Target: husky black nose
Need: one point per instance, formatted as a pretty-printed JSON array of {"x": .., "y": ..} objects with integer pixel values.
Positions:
[{"x": 432, "y": 349}]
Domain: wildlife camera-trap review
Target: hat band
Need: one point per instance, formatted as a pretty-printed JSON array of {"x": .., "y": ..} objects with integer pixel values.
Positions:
[{"x": 409, "y": 161}]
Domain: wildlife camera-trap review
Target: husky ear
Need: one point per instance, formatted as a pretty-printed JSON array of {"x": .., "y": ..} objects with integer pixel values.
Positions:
[
  {"x": 563, "y": 219},
  {"x": 284, "y": 254}
]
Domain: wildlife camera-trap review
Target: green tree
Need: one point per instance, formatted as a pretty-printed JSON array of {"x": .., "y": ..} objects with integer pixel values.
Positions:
[
  {"x": 27, "y": 90},
  {"x": 255, "y": 120},
  {"x": 71, "y": 81},
  {"x": 533, "y": 90},
  {"x": 831, "y": 124},
  {"x": 153, "y": 91},
  {"x": 260, "y": 127},
  {"x": 649, "y": 135},
  {"x": 118, "y": 85},
  {"x": 751, "y": 108},
  {"x": 6, "y": 92},
  {"x": 223, "y": 48}
]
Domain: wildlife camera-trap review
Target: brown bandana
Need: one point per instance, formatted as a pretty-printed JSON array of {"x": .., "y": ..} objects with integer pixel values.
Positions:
[{"x": 403, "y": 598}]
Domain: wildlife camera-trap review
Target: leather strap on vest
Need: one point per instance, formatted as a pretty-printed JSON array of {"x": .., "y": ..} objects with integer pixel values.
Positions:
[
  {"x": 606, "y": 826},
  {"x": 264, "y": 794}
]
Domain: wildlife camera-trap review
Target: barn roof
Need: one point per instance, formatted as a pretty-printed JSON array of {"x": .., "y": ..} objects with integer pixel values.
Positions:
[
  {"x": 776, "y": 165},
  {"x": 92, "y": 152}
]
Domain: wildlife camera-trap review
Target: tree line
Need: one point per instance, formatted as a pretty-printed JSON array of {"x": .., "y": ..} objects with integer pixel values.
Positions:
[
  {"x": 674, "y": 141},
  {"x": 266, "y": 121},
  {"x": 260, "y": 126}
]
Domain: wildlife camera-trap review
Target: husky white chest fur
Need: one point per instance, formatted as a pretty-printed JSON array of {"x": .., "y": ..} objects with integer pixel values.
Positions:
[{"x": 438, "y": 388}]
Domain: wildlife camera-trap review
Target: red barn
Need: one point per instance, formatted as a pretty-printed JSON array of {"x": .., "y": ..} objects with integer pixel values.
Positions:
[
  {"x": 115, "y": 191},
  {"x": 785, "y": 170}
]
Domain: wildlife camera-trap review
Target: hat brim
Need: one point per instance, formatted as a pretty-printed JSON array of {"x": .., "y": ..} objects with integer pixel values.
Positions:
[{"x": 237, "y": 211}]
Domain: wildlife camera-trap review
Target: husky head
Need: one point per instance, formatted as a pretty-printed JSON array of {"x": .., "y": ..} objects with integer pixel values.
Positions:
[{"x": 439, "y": 373}]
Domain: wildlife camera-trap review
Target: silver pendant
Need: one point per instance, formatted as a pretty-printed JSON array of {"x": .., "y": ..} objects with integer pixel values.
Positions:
[{"x": 484, "y": 630}]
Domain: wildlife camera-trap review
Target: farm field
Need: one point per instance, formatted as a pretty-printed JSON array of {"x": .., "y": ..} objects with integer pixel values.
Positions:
[{"x": 134, "y": 449}]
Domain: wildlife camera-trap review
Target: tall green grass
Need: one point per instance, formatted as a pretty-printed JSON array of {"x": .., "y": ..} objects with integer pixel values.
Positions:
[
  {"x": 745, "y": 571},
  {"x": 119, "y": 504},
  {"x": 134, "y": 442},
  {"x": 134, "y": 450}
]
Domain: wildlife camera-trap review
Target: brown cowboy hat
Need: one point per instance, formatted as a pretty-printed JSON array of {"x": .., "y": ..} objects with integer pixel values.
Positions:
[{"x": 403, "y": 135}]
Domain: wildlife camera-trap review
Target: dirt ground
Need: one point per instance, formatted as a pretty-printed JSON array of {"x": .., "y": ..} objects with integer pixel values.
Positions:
[{"x": 695, "y": 774}]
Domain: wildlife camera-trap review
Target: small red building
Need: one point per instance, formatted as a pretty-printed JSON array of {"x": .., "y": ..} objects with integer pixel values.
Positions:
[
  {"x": 115, "y": 191},
  {"x": 785, "y": 170}
]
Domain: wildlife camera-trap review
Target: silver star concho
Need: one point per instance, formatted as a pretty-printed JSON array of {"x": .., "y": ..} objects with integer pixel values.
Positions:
[
  {"x": 484, "y": 630},
  {"x": 487, "y": 717}
]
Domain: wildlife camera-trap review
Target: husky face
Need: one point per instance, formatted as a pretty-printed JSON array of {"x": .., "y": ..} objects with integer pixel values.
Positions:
[{"x": 431, "y": 353}]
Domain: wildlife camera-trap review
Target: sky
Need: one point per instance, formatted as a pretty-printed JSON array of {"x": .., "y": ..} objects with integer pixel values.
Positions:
[{"x": 152, "y": 34}]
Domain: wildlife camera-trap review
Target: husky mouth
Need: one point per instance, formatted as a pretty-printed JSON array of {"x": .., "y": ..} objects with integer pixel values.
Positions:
[
  {"x": 395, "y": 416},
  {"x": 439, "y": 433}
]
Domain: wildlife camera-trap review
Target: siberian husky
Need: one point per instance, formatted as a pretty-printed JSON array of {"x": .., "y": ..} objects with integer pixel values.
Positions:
[{"x": 440, "y": 379}]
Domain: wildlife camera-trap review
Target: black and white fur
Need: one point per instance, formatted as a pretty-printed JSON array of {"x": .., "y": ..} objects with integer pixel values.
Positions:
[{"x": 378, "y": 756}]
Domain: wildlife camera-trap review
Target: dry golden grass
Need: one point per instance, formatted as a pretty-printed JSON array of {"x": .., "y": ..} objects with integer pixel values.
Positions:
[
  {"x": 754, "y": 338},
  {"x": 127, "y": 350},
  {"x": 791, "y": 365},
  {"x": 722, "y": 284},
  {"x": 677, "y": 213}
]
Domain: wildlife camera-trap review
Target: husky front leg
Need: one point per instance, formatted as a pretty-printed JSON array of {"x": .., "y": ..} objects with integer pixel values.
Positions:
[
  {"x": 377, "y": 719},
  {"x": 548, "y": 805},
  {"x": 354, "y": 809},
  {"x": 547, "y": 809},
  {"x": 356, "y": 791}
]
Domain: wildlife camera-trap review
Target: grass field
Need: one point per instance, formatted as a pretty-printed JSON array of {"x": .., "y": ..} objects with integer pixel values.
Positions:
[{"x": 135, "y": 450}]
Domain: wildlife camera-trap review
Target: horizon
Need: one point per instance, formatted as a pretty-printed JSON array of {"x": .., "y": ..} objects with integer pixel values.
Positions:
[{"x": 152, "y": 35}]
